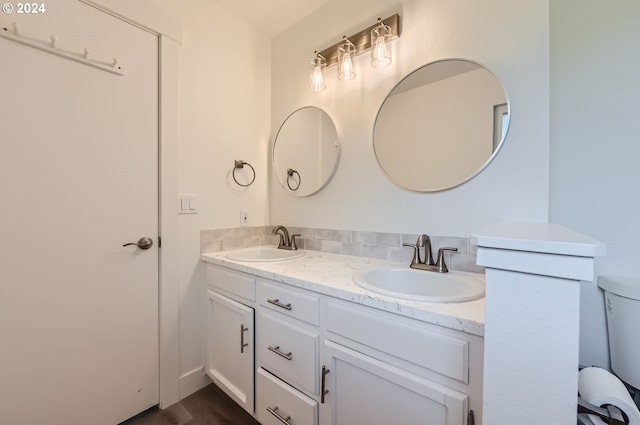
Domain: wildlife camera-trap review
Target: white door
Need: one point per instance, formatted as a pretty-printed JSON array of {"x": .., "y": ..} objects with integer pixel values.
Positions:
[{"x": 78, "y": 179}]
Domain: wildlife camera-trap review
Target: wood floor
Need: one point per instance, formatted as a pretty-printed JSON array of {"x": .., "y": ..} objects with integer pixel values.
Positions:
[{"x": 209, "y": 406}]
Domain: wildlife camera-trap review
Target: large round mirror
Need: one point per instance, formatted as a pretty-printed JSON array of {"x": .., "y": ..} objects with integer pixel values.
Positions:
[
  {"x": 441, "y": 125},
  {"x": 306, "y": 151}
]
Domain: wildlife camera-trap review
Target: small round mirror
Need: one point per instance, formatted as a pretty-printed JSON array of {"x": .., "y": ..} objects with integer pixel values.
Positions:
[
  {"x": 306, "y": 151},
  {"x": 441, "y": 125}
]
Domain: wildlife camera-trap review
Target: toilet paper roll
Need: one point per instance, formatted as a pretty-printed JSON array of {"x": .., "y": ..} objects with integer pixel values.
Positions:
[{"x": 599, "y": 387}]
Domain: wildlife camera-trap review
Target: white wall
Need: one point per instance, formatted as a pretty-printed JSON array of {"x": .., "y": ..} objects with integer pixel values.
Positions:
[
  {"x": 510, "y": 38},
  {"x": 224, "y": 115},
  {"x": 595, "y": 145}
]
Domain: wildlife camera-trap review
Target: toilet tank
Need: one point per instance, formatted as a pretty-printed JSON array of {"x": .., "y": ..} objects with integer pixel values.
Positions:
[{"x": 622, "y": 302}]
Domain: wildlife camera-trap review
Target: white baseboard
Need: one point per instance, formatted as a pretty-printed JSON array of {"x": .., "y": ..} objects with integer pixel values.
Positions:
[{"x": 192, "y": 381}]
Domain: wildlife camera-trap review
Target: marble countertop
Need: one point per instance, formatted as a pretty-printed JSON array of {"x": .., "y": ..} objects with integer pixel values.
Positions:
[{"x": 330, "y": 274}]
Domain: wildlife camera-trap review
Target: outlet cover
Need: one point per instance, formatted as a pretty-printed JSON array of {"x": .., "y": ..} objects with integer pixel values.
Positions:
[{"x": 244, "y": 218}]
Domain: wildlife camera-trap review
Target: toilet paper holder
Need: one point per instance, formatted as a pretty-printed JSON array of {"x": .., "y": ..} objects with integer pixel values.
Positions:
[{"x": 609, "y": 414}]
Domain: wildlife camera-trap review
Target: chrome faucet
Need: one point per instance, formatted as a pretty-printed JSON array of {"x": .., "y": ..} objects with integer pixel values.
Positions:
[
  {"x": 424, "y": 241},
  {"x": 285, "y": 242}
]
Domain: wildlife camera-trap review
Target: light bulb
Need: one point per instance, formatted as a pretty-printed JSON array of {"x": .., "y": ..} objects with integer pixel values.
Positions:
[
  {"x": 346, "y": 51},
  {"x": 380, "y": 45},
  {"x": 380, "y": 52},
  {"x": 317, "y": 80},
  {"x": 316, "y": 77},
  {"x": 347, "y": 68}
]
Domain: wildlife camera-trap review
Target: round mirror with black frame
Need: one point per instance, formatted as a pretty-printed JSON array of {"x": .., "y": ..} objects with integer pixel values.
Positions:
[
  {"x": 306, "y": 151},
  {"x": 441, "y": 125}
]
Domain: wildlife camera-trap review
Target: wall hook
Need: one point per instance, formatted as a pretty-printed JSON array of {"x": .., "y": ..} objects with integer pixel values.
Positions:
[
  {"x": 290, "y": 173},
  {"x": 239, "y": 164},
  {"x": 51, "y": 46}
]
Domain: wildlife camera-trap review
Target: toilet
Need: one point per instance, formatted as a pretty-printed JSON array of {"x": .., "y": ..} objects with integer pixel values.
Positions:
[{"x": 622, "y": 302}]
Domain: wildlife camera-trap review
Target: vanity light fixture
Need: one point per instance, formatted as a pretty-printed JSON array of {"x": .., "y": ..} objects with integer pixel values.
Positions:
[
  {"x": 346, "y": 53},
  {"x": 316, "y": 78},
  {"x": 381, "y": 45},
  {"x": 377, "y": 37}
]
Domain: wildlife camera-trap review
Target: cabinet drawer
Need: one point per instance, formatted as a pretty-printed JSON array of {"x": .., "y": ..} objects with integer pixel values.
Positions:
[
  {"x": 300, "y": 306},
  {"x": 444, "y": 354},
  {"x": 276, "y": 398},
  {"x": 289, "y": 351},
  {"x": 232, "y": 283}
]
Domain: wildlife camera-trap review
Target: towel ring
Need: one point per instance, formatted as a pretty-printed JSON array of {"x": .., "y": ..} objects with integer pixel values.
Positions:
[
  {"x": 290, "y": 173},
  {"x": 240, "y": 164}
]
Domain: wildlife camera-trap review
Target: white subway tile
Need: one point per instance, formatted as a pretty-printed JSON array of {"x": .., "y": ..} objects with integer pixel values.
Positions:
[
  {"x": 322, "y": 234},
  {"x": 352, "y": 249},
  {"x": 333, "y": 247},
  {"x": 372, "y": 251},
  {"x": 341, "y": 235},
  {"x": 222, "y": 234},
  {"x": 363, "y": 237},
  {"x": 387, "y": 239}
]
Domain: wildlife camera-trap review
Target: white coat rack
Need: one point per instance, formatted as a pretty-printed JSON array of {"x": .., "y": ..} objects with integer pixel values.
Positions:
[{"x": 113, "y": 67}]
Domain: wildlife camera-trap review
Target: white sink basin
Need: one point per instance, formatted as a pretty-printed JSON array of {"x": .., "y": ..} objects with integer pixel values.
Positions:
[
  {"x": 421, "y": 285},
  {"x": 264, "y": 254}
]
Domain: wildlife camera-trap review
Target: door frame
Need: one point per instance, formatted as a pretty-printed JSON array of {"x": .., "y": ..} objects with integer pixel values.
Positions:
[{"x": 168, "y": 29}]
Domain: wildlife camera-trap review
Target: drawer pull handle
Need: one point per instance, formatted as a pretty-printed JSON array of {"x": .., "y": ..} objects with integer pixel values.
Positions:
[
  {"x": 471, "y": 419},
  {"x": 242, "y": 343},
  {"x": 276, "y": 350},
  {"x": 323, "y": 390},
  {"x": 275, "y": 413},
  {"x": 279, "y": 304}
]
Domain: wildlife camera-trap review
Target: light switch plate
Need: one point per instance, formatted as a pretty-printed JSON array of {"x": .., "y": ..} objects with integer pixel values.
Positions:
[{"x": 188, "y": 204}]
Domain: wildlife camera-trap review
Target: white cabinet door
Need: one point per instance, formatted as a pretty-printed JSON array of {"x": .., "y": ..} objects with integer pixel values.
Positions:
[
  {"x": 363, "y": 390},
  {"x": 230, "y": 350}
]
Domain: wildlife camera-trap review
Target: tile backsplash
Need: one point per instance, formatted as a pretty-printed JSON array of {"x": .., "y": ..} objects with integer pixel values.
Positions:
[
  {"x": 214, "y": 240},
  {"x": 383, "y": 246}
]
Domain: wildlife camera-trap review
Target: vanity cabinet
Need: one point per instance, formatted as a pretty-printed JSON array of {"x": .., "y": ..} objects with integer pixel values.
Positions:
[
  {"x": 229, "y": 357},
  {"x": 401, "y": 371},
  {"x": 364, "y": 390},
  {"x": 324, "y": 361}
]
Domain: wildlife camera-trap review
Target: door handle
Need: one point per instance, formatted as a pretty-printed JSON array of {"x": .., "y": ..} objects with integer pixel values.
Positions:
[
  {"x": 242, "y": 343},
  {"x": 143, "y": 243},
  {"x": 323, "y": 390}
]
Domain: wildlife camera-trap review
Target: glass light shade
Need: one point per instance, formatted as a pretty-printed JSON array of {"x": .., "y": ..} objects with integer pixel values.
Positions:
[
  {"x": 380, "y": 45},
  {"x": 346, "y": 53},
  {"x": 316, "y": 77}
]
